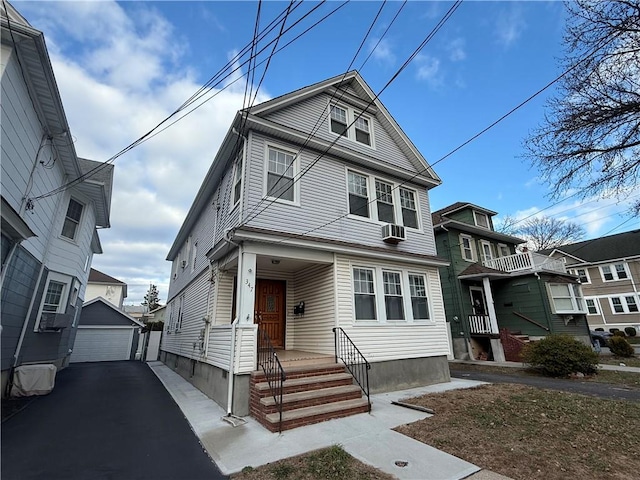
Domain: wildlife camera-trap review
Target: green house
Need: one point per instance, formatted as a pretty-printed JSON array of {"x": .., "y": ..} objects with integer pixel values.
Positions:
[{"x": 497, "y": 297}]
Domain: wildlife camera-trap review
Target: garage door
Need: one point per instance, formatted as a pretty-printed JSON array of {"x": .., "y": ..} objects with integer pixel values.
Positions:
[{"x": 102, "y": 344}]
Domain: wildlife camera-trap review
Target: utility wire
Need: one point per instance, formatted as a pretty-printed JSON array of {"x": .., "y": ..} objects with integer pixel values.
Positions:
[{"x": 431, "y": 34}]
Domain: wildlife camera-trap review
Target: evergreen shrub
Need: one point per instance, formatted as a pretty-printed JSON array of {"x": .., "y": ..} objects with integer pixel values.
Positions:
[
  {"x": 620, "y": 347},
  {"x": 560, "y": 356}
]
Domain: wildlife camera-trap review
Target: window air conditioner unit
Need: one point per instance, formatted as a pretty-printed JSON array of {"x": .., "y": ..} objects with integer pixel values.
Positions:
[
  {"x": 393, "y": 233},
  {"x": 55, "y": 321}
]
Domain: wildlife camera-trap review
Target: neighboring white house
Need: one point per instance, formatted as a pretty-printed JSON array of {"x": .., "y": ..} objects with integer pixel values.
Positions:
[
  {"x": 296, "y": 210},
  {"x": 104, "y": 286},
  {"x": 52, "y": 204}
]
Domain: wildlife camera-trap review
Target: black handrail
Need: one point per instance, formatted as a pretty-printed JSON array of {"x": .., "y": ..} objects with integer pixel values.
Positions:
[
  {"x": 353, "y": 359},
  {"x": 272, "y": 368}
]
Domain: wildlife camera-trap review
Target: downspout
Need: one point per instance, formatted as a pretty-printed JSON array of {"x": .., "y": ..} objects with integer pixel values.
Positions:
[{"x": 207, "y": 327}]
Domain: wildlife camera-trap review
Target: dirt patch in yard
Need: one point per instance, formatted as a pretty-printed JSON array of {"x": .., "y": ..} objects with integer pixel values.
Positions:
[{"x": 528, "y": 433}]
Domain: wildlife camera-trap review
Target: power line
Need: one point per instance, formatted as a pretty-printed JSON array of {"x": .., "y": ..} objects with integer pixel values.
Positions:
[{"x": 431, "y": 34}]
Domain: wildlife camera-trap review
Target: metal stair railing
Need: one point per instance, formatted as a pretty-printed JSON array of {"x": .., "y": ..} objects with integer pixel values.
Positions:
[
  {"x": 356, "y": 364},
  {"x": 274, "y": 373}
]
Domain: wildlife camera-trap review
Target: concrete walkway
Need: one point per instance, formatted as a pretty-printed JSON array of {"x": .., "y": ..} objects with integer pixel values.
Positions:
[
  {"x": 367, "y": 437},
  {"x": 602, "y": 366}
]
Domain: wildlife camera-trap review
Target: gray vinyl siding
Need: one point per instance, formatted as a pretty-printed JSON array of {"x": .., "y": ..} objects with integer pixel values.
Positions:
[
  {"x": 203, "y": 233},
  {"x": 17, "y": 290},
  {"x": 311, "y": 115},
  {"x": 392, "y": 341},
  {"x": 323, "y": 199},
  {"x": 100, "y": 314},
  {"x": 185, "y": 342},
  {"x": 312, "y": 332}
]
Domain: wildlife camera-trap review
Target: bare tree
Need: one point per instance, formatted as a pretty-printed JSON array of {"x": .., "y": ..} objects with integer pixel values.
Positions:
[
  {"x": 590, "y": 138},
  {"x": 543, "y": 232}
]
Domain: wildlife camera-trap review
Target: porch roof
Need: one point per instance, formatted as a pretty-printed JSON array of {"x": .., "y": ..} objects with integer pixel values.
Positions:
[{"x": 476, "y": 271}]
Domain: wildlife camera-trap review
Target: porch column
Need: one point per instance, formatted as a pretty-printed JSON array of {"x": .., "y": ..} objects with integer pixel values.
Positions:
[
  {"x": 246, "y": 287},
  {"x": 493, "y": 320},
  {"x": 496, "y": 344}
]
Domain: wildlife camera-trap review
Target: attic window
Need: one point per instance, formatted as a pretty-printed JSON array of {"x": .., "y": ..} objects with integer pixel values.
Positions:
[
  {"x": 362, "y": 130},
  {"x": 482, "y": 220},
  {"x": 338, "y": 120},
  {"x": 351, "y": 124}
]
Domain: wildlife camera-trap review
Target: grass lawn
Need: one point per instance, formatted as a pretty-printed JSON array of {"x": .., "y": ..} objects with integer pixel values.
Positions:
[
  {"x": 525, "y": 432},
  {"x": 331, "y": 463}
]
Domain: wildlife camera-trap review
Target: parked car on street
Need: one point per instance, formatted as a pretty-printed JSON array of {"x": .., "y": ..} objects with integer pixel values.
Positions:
[{"x": 600, "y": 337}]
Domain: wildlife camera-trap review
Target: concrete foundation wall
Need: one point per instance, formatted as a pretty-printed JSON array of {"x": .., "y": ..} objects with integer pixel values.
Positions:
[
  {"x": 460, "y": 348},
  {"x": 408, "y": 373},
  {"x": 211, "y": 380}
]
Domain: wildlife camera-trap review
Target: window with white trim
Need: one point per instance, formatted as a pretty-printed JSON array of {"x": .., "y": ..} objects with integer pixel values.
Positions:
[
  {"x": 53, "y": 298},
  {"x": 179, "y": 315},
  {"x": 194, "y": 255},
  {"x": 358, "y": 197},
  {"x": 503, "y": 250},
  {"x": 409, "y": 209},
  {"x": 280, "y": 175},
  {"x": 339, "y": 121},
  {"x": 486, "y": 250},
  {"x": 566, "y": 298},
  {"x": 384, "y": 202},
  {"x": 351, "y": 124},
  {"x": 237, "y": 181},
  {"x": 467, "y": 248},
  {"x": 419, "y": 300},
  {"x": 613, "y": 272},
  {"x": 394, "y": 204},
  {"x": 582, "y": 274},
  {"x": 624, "y": 304},
  {"x": 361, "y": 127},
  {"x": 592, "y": 306},
  {"x": 72, "y": 219},
  {"x": 481, "y": 219},
  {"x": 393, "y": 301},
  {"x": 364, "y": 294}
]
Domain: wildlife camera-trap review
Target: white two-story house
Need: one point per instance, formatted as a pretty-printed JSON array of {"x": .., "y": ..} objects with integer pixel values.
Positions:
[
  {"x": 52, "y": 204},
  {"x": 314, "y": 216}
]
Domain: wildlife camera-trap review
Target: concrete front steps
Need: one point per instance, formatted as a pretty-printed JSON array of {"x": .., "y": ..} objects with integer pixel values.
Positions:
[{"x": 311, "y": 394}]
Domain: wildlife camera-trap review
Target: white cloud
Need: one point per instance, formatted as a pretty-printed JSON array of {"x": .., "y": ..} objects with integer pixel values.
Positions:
[
  {"x": 120, "y": 85},
  {"x": 382, "y": 52},
  {"x": 429, "y": 69},
  {"x": 456, "y": 50},
  {"x": 509, "y": 24}
]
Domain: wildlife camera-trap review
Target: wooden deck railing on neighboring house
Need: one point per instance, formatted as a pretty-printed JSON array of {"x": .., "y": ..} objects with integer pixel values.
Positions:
[
  {"x": 480, "y": 324},
  {"x": 526, "y": 261}
]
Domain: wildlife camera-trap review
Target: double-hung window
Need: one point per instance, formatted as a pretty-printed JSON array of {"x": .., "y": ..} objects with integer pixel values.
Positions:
[
  {"x": 280, "y": 175},
  {"x": 503, "y": 250},
  {"x": 613, "y": 272},
  {"x": 384, "y": 201},
  {"x": 481, "y": 219},
  {"x": 393, "y": 302},
  {"x": 53, "y": 298},
  {"x": 364, "y": 294},
  {"x": 419, "y": 302},
  {"x": 582, "y": 274},
  {"x": 625, "y": 304},
  {"x": 566, "y": 298},
  {"x": 237, "y": 181},
  {"x": 339, "y": 120},
  {"x": 592, "y": 306},
  {"x": 358, "y": 197},
  {"x": 409, "y": 209},
  {"x": 467, "y": 248},
  {"x": 72, "y": 219},
  {"x": 362, "y": 130}
]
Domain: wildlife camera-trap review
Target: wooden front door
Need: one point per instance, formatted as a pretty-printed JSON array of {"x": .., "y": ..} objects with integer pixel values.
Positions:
[{"x": 270, "y": 309}]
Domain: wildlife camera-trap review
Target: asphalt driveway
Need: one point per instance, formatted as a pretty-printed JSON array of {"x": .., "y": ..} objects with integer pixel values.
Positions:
[
  {"x": 602, "y": 390},
  {"x": 107, "y": 420}
]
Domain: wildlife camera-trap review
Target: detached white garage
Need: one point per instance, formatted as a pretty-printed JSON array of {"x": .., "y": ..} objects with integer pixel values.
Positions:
[{"x": 105, "y": 334}]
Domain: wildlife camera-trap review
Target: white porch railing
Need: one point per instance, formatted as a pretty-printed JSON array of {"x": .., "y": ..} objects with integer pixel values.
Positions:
[
  {"x": 479, "y": 324},
  {"x": 526, "y": 261}
]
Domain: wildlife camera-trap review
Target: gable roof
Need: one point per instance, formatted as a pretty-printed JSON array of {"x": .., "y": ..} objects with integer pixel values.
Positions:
[
  {"x": 253, "y": 117},
  {"x": 96, "y": 276},
  {"x": 118, "y": 314},
  {"x": 436, "y": 216},
  {"x": 612, "y": 247}
]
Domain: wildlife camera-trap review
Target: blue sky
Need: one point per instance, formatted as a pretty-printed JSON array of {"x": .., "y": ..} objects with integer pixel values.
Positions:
[{"x": 123, "y": 67}]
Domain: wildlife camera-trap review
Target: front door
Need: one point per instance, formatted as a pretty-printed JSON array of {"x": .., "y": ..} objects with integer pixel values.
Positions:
[
  {"x": 477, "y": 301},
  {"x": 270, "y": 309}
]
